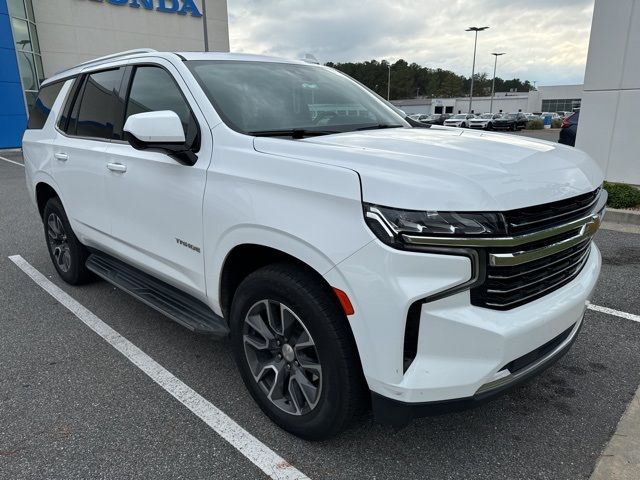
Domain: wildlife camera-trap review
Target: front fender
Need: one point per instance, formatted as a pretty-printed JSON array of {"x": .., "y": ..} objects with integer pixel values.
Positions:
[{"x": 263, "y": 236}]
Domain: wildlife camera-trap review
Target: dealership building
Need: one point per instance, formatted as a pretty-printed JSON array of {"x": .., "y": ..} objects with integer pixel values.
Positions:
[
  {"x": 41, "y": 37},
  {"x": 553, "y": 98}
]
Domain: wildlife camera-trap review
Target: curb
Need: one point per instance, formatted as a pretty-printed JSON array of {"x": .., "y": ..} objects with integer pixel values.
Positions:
[
  {"x": 621, "y": 457},
  {"x": 629, "y": 217}
]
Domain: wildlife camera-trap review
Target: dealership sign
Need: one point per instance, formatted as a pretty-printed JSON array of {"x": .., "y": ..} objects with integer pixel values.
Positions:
[{"x": 181, "y": 7}]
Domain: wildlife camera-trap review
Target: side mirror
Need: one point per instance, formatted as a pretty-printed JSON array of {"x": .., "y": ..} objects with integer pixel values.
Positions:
[{"x": 161, "y": 132}]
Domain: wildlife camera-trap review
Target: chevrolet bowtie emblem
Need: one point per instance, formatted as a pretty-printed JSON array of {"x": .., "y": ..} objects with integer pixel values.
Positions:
[{"x": 593, "y": 225}]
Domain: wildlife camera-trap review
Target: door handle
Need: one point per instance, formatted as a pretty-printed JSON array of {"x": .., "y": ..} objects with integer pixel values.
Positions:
[
  {"x": 63, "y": 157},
  {"x": 117, "y": 167}
]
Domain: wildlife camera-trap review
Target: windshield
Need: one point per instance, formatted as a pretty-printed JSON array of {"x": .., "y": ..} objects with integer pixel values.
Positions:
[
  {"x": 486, "y": 115},
  {"x": 512, "y": 115},
  {"x": 267, "y": 97},
  {"x": 460, "y": 116}
]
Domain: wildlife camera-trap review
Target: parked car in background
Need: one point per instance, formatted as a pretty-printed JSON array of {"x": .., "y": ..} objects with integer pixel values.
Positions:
[
  {"x": 437, "y": 119},
  {"x": 484, "y": 121},
  {"x": 460, "y": 120},
  {"x": 532, "y": 116},
  {"x": 510, "y": 121},
  {"x": 553, "y": 115},
  {"x": 569, "y": 128}
]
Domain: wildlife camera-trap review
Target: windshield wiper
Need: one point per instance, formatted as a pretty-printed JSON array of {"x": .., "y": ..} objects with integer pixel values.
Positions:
[
  {"x": 380, "y": 125},
  {"x": 292, "y": 132}
]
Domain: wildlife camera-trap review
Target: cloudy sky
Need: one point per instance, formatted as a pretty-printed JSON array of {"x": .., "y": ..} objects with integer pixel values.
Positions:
[{"x": 545, "y": 40}]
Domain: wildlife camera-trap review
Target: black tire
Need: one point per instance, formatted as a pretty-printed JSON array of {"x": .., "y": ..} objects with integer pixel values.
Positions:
[
  {"x": 340, "y": 392},
  {"x": 463, "y": 125},
  {"x": 67, "y": 253}
]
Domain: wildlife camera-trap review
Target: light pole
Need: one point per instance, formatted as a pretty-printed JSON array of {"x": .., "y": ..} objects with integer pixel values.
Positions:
[
  {"x": 389, "y": 81},
  {"x": 493, "y": 82},
  {"x": 205, "y": 28},
  {"x": 473, "y": 68}
]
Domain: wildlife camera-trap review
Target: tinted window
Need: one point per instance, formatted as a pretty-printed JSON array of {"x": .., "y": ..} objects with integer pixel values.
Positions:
[
  {"x": 95, "y": 115},
  {"x": 254, "y": 97},
  {"x": 43, "y": 104},
  {"x": 152, "y": 90}
]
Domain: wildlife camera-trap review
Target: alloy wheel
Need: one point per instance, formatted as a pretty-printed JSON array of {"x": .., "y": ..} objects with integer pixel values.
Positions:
[
  {"x": 282, "y": 357},
  {"x": 59, "y": 242}
]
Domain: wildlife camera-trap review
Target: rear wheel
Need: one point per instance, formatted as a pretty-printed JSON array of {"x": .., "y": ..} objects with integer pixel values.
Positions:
[
  {"x": 67, "y": 253},
  {"x": 295, "y": 351}
]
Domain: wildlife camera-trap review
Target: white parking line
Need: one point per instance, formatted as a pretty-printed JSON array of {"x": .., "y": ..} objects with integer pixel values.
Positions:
[
  {"x": 11, "y": 161},
  {"x": 257, "y": 452},
  {"x": 611, "y": 311}
]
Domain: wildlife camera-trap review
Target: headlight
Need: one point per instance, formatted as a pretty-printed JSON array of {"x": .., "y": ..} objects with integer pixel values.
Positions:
[{"x": 390, "y": 224}]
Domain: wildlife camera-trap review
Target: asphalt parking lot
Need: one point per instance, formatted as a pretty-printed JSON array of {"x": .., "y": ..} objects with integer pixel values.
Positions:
[{"x": 72, "y": 406}]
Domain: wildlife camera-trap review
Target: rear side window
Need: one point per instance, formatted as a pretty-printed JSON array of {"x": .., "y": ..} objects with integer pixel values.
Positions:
[
  {"x": 94, "y": 112},
  {"x": 42, "y": 107}
]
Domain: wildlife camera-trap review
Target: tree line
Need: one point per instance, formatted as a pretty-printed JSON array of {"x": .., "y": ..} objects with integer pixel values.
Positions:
[{"x": 413, "y": 80}]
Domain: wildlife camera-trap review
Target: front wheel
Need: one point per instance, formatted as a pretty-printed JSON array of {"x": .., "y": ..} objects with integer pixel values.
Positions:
[
  {"x": 295, "y": 351},
  {"x": 67, "y": 253},
  {"x": 463, "y": 125}
]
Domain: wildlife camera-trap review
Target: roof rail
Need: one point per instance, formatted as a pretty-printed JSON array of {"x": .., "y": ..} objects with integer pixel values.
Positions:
[{"x": 112, "y": 56}]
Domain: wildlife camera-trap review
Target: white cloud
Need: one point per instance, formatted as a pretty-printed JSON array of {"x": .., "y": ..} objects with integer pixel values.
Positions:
[{"x": 545, "y": 40}]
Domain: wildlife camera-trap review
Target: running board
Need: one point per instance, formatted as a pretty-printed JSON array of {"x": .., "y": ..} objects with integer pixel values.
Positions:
[{"x": 175, "y": 304}]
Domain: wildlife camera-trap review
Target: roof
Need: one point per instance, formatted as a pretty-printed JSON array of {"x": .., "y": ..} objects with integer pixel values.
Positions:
[
  {"x": 242, "y": 57},
  {"x": 150, "y": 53}
]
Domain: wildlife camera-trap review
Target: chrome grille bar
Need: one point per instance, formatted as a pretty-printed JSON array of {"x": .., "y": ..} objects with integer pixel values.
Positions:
[
  {"x": 542, "y": 267},
  {"x": 579, "y": 263},
  {"x": 524, "y": 299}
]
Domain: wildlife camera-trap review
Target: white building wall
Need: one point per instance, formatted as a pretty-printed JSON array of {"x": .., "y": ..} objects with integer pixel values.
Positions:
[
  {"x": 608, "y": 127},
  {"x": 507, "y": 104},
  {"x": 72, "y": 31}
]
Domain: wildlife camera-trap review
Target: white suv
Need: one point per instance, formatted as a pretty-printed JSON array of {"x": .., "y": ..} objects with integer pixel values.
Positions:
[{"x": 353, "y": 260}]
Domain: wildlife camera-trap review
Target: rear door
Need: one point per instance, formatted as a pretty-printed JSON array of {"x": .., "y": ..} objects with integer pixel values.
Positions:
[
  {"x": 79, "y": 158},
  {"x": 156, "y": 202}
]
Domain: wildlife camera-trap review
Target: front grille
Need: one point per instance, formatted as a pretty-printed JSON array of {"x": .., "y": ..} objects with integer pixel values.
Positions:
[
  {"x": 507, "y": 287},
  {"x": 510, "y": 287},
  {"x": 531, "y": 219}
]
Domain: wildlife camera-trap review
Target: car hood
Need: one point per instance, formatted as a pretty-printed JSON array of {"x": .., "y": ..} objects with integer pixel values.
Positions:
[{"x": 449, "y": 168}]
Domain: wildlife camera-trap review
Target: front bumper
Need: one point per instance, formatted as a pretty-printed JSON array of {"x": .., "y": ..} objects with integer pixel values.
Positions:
[
  {"x": 461, "y": 348},
  {"x": 393, "y": 412}
]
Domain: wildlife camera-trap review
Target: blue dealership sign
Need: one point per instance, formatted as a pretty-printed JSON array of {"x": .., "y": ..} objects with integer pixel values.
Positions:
[{"x": 181, "y": 7}]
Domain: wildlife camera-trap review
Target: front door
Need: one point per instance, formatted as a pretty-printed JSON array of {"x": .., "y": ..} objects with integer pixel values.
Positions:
[{"x": 156, "y": 202}]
